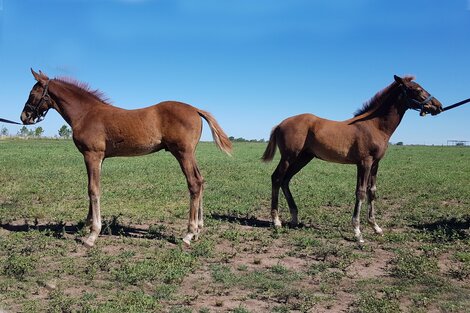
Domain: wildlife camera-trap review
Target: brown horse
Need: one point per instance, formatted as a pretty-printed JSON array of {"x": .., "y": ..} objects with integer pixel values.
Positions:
[
  {"x": 361, "y": 140},
  {"x": 101, "y": 130}
]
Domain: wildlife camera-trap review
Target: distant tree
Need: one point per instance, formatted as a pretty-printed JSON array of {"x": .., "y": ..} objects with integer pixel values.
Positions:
[
  {"x": 4, "y": 131},
  {"x": 23, "y": 132},
  {"x": 65, "y": 132},
  {"x": 241, "y": 139},
  {"x": 400, "y": 143},
  {"x": 38, "y": 132}
]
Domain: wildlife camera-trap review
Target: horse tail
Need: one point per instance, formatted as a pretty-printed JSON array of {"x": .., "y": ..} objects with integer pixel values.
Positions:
[
  {"x": 220, "y": 138},
  {"x": 268, "y": 154}
]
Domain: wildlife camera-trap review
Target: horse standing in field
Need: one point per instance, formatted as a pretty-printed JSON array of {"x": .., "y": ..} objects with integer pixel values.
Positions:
[
  {"x": 101, "y": 130},
  {"x": 361, "y": 140}
]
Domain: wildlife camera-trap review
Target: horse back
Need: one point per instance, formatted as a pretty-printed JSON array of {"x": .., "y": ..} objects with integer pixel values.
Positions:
[{"x": 119, "y": 132}]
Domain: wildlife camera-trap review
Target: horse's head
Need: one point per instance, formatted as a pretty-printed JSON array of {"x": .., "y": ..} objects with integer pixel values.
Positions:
[
  {"x": 39, "y": 101},
  {"x": 417, "y": 98}
]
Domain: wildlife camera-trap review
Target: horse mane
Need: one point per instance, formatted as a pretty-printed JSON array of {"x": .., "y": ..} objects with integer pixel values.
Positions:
[
  {"x": 85, "y": 89},
  {"x": 377, "y": 100}
]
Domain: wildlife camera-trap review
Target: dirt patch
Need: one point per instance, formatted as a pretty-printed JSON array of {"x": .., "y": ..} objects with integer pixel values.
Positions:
[{"x": 373, "y": 267}]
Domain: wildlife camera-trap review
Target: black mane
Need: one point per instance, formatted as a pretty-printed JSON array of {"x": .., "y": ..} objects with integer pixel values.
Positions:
[{"x": 377, "y": 100}]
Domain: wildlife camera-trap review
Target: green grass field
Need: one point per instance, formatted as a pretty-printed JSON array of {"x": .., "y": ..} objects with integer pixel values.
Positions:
[{"x": 240, "y": 263}]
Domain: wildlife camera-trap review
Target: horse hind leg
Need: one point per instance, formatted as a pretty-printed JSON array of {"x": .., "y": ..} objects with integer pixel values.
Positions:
[
  {"x": 195, "y": 181},
  {"x": 200, "y": 212},
  {"x": 276, "y": 179},
  {"x": 294, "y": 168}
]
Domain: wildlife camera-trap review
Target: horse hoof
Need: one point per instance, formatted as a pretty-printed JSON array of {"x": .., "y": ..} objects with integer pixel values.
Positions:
[
  {"x": 294, "y": 224},
  {"x": 359, "y": 239},
  {"x": 88, "y": 243},
  {"x": 187, "y": 240},
  {"x": 379, "y": 231}
]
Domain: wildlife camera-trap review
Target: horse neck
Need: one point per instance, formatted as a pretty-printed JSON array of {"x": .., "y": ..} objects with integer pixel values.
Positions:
[
  {"x": 67, "y": 102},
  {"x": 391, "y": 112}
]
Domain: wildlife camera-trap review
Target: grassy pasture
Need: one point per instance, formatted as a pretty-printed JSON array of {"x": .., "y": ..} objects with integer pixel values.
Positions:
[{"x": 240, "y": 263}]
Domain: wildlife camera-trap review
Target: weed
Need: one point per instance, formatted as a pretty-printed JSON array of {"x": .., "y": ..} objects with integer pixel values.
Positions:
[
  {"x": 461, "y": 270},
  {"x": 408, "y": 265},
  {"x": 223, "y": 274},
  {"x": 181, "y": 309},
  {"x": 317, "y": 268},
  {"x": 164, "y": 291},
  {"x": 97, "y": 261},
  {"x": 60, "y": 302},
  {"x": 203, "y": 248},
  {"x": 240, "y": 309},
  {"x": 279, "y": 269},
  {"x": 19, "y": 266},
  {"x": 370, "y": 303}
]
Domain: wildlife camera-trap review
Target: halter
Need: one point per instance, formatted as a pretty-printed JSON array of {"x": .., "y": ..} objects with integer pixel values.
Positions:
[
  {"x": 413, "y": 103},
  {"x": 44, "y": 98}
]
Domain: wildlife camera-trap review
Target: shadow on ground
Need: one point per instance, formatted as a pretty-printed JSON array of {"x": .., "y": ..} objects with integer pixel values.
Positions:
[
  {"x": 111, "y": 227},
  {"x": 447, "y": 229}
]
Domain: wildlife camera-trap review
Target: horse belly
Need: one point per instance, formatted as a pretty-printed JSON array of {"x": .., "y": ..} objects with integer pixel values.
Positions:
[
  {"x": 132, "y": 150},
  {"x": 337, "y": 149},
  {"x": 333, "y": 155},
  {"x": 131, "y": 146}
]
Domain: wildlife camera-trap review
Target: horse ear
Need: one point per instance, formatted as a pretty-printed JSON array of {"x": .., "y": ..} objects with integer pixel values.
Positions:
[
  {"x": 36, "y": 75},
  {"x": 40, "y": 78},
  {"x": 399, "y": 80}
]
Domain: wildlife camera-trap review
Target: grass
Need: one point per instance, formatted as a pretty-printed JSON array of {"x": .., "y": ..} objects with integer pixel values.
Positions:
[{"x": 240, "y": 263}]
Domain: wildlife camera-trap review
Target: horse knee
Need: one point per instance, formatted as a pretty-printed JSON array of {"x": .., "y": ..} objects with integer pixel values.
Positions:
[
  {"x": 276, "y": 182},
  {"x": 371, "y": 192},
  {"x": 361, "y": 195},
  {"x": 195, "y": 186}
]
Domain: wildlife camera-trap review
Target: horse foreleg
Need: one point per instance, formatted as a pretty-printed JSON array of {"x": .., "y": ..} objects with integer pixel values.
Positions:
[
  {"x": 363, "y": 172},
  {"x": 93, "y": 163},
  {"x": 371, "y": 194}
]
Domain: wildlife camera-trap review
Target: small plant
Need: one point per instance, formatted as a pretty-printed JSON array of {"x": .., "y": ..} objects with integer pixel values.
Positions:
[
  {"x": 279, "y": 269},
  {"x": 408, "y": 265},
  {"x": 203, "y": 248},
  {"x": 223, "y": 274},
  {"x": 461, "y": 270},
  {"x": 370, "y": 303},
  {"x": 19, "y": 266},
  {"x": 60, "y": 302},
  {"x": 240, "y": 309}
]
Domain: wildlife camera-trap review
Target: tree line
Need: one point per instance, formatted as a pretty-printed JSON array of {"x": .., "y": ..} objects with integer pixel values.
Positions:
[
  {"x": 38, "y": 132},
  {"x": 66, "y": 132}
]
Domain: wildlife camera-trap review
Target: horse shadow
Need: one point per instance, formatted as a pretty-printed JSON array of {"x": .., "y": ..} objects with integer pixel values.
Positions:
[
  {"x": 251, "y": 221},
  {"x": 111, "y": 227},
  {"x": 236, "y": 219},
  {"x": 447, "y": 229}
]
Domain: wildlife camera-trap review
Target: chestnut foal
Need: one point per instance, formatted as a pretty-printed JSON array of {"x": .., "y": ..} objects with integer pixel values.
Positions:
[
  {"x": 361, "y": 140},
  {"x": 101, "y": 130}
]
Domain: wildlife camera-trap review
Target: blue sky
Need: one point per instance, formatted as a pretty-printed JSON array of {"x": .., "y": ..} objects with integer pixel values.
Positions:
[{"x": 250, "y": 63}]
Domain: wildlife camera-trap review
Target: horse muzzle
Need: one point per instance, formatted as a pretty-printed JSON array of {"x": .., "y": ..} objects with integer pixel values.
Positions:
[{"x": 28, "y": 119}]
